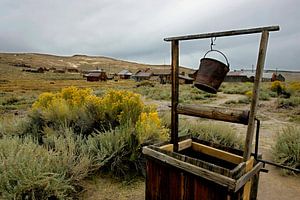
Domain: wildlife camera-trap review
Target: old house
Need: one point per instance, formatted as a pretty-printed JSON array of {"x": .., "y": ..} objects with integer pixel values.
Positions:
[
  {"x": 236, "y": 76},
  {"x": 59, "y": 71},
  {"x": 124, "y": 74},
  {"x": 278, "y": 77},
  {"x": 164, "y": 75},
  {"x": 185, "y": 79},
  {"x": 142, "y": 75},
  {"x": 111, "y": 76},
  {"x": 96, "y": 76},
  {"x": 246, "y": 76},
  {"x": 35, "y": 70},
  {"x": 72, "y": 70},
  {"x": 193, "y": 74}
]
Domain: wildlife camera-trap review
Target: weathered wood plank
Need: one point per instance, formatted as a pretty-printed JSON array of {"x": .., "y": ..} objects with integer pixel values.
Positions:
[
  {"x": 175, "y": 93},
  {"x": 181, "y": 145},
  {"x": 255, "y": 94},
  {"x": 246, "y": 177},
  {"x": 217, "y": 153},
  {"x": 214, "y": 112},
  {"x": 223, "y": 33},
  {"x": 206, "y": 174},
  {"x": 247, "y": 187},
  {"x": 238, "y": 171}
]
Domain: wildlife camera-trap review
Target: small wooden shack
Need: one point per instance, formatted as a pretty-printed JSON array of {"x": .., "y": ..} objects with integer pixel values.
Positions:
[
  {"x": 124, "y": 74},
  {"x": 60, "y": 71},
  {"x": 164, "y": 75},
  {"x": 72, "y": 70},
  {"x": 278, "y": 77},
  {"x": 247, "y": 76},
  {"x": 34, "y": 70},
  {"x": 185, "y": 79},
  {"x": 142, "y": 75},
  {"x": 98, "y": 76}
]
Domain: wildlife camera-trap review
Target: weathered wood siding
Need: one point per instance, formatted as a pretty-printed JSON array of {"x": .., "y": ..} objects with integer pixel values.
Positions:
[{"x": 167, "y": 182}]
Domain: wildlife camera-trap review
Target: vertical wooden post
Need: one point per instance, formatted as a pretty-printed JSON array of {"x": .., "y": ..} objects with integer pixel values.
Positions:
[
  {"x": 255, "y": 93},
  {"x": 175, "y": 88}
]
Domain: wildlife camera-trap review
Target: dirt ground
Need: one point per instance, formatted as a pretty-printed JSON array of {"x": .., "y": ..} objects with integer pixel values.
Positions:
[{"x": 272, "y": 185}]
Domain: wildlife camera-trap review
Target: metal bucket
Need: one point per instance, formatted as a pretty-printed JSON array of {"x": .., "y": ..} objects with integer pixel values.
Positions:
[{"x": 211, "y": 73}]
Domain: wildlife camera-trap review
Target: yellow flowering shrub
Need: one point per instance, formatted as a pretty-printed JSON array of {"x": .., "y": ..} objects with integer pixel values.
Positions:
[
  {"x": 75, "y": 96},
  {"x": 44, "y": 100},
  {"x": 148, "y": 127},
  {"x": 72, "y": 95},
  {"x": 85, "y": 112},
  {"x": 249, "y": 94},
  {"x": 277, "y": 86},
  {"x": 294, "y": 87},
  {"x": 124, "y": 106}
]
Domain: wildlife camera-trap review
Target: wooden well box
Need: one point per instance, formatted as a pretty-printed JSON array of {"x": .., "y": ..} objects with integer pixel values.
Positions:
[{"x": 199, "y": 170}]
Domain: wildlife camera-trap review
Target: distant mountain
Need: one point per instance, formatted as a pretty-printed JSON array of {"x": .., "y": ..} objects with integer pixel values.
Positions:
[{"x": 81, "y": 62}]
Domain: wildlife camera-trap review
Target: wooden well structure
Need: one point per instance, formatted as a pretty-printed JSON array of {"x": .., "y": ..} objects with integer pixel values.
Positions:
[{"x": 188, "y": 168}]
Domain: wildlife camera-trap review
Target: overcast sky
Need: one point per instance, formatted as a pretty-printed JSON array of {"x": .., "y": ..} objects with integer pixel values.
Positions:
[{"x": 134, "y": 29}]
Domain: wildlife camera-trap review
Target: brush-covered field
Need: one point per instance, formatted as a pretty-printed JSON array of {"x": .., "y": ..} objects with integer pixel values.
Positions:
[{"x": 62, "y": 137}]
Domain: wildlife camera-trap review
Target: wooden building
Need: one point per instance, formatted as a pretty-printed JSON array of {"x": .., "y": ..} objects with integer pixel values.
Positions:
[
  {"x": 124, "y": 74},
  {"x": 142, "y": 75},
  {"x": 278, "y": 77},
  {"x": 99, "y": 76},
  {"x": 72, "y": 70},
  {"x": 246, "y": 76},
  {"x": 61, "y": 71},
  {"x": 185, "y": 79},
  {"x": 34, "y": 70}
]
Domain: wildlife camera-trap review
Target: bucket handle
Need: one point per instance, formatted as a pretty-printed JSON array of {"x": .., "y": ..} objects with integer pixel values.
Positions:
[{"x": 218, "y": 52}]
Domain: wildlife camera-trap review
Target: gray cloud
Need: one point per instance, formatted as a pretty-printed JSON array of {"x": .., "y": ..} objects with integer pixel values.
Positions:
[{"x": 134, "y": 30}]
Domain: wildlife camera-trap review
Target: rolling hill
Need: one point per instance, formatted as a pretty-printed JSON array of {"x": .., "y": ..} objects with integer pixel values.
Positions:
[{"x": 81, "y": 62}]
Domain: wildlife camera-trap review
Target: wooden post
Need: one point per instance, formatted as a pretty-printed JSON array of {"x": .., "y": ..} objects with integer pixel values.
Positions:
[
  {"x": 175, "y": 91},
  {"x": 255, "y": 93}
]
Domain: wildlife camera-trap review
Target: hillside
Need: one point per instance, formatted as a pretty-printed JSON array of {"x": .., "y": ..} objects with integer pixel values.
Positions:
[{"x": 82, "y": 62}]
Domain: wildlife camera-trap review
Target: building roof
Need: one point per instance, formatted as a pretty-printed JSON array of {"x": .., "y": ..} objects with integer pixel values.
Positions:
[
  {"x": 97, "y": 74},
  {"x": 125, "y": 72},
  {"x": 143, "y": 74},
  {"x": 248, "y": 74},
  {"x": 185, "y": 77}
]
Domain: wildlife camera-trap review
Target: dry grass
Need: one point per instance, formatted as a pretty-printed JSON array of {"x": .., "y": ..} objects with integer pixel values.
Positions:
[{"x": 102, "y": 187}]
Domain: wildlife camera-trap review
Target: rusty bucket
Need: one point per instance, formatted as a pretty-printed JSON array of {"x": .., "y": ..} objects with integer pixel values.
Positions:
[{"x": 211, "y": 73}]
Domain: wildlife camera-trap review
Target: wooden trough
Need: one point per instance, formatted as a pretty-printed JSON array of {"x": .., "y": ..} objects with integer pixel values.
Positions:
[
  {"x": 199, "y": 170},
  {"x": 188, "y": 168}
]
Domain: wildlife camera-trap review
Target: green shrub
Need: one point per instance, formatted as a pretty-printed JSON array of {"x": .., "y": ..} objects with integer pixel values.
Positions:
[
  {"x": 165, "y": 118},
  {"x": 294, "y": 88},
  {"x": 43, "y": 158},
  {"x": 237, "y": 88},
  {"x": 119, "y": 152},
  {"x": 265, "y": 96},
  {"x": 29, "y": 171},
  {"x": 213, "y": 132},
  {"x": 286, "y": 150},
  {"x": 145, "y": 84},
  {"x": 290, "y": 102},
  {"x": 245, "y": 100},
  {"x": 9, "y": 100}
]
